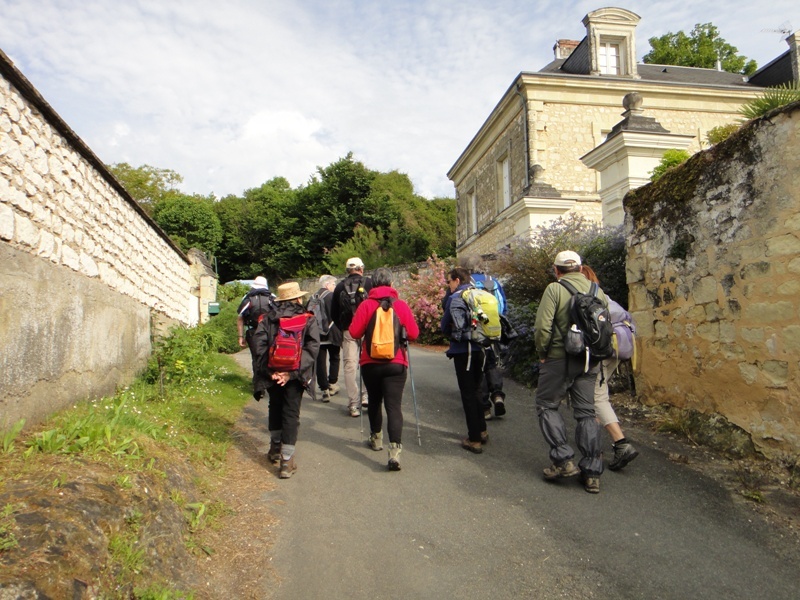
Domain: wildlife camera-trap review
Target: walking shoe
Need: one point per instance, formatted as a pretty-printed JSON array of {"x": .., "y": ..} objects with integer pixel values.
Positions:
[
  {"x": 474, "y": 447},
  {"x": 590, "y": 484},
  {"x": 499, "y": 406},
  {"x": 354, "y": 412},
  {"x": 326, "y": 395},
  {"x": 484, "y": 437},
  {"x": 333, "y": 389},
  {"x": 394, "y": 455},
  {"x": 364, "y": 401},
  {"x": 565, "y": 469},
  {"x": 274, "y": 453},
  {"x": 487, "y": 414},
  {"x": 376, "y": 441},
  {"x": 623, "y": 454},
  {"x": 288, "y": 467}
]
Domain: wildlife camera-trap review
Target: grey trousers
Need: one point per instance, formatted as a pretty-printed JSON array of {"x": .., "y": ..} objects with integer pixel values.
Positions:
[{"x": 557, "y": 378}]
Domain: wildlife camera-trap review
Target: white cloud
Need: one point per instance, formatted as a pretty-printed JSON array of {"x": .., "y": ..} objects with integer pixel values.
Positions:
[{"x": 231, "y": 94}]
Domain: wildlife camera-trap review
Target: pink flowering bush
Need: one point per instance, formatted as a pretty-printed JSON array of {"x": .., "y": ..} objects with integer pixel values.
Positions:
[{"x": 423, "y": 293}]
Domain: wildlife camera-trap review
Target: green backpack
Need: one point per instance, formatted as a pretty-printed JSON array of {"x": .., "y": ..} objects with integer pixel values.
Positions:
[{"x": 485, "y": 316}]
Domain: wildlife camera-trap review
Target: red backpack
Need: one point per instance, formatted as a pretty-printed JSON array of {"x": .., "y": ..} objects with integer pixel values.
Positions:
[{"x": 286, "y": 349}]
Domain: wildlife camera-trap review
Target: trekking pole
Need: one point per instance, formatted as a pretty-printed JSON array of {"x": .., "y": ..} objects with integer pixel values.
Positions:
[
  {"x": 360, "y": 384},
  {"x": 413, "y": 389}
]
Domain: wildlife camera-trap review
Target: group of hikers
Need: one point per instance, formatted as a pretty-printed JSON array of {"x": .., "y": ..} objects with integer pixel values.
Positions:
[{"x": 297, "y": 345}]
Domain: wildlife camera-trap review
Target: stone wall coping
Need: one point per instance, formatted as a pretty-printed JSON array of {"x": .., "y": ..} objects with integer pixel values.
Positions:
[{"x": 29, "y": 92}]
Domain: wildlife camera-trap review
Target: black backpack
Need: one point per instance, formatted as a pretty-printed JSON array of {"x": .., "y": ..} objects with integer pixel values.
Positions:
[
  {"x": 316, "y": 305},
  {"x": 591, "y": 332},
  {"x": 350, "y": 297},
  {"x": 260, "y": 305}
]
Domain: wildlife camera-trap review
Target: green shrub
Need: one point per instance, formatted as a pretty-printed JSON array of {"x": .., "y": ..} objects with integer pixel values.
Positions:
[
  {"x": 672, "y": 158},
  {"x": 528, "y": 270},
  {"x": 223, "y": 327},
  {"x": 721, "y": 133},
  {"x": 182, "y": 355},
  {"x": 772, "y": 98}
]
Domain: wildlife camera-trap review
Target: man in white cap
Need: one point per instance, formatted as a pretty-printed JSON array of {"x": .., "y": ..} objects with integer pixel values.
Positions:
[
  {"x": 285, "y": 384},
  {"x": 256, "y": 303},
  {"x": 348, "y": 294},
  {"x": 561, "y": 373}
]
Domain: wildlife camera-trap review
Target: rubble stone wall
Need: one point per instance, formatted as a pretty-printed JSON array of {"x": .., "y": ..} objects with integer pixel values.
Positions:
[{"x": 714, "y": 275}]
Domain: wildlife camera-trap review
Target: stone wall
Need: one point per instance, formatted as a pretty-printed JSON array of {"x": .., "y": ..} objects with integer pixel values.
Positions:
[
  {"x": 85, "y": 271},
  {"x": 714, "y": 275}
]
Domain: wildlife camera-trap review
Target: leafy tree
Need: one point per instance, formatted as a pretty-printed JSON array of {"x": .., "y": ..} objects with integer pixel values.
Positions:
[
  {"x": 701, "y": 48},
  {"x": 147, "y": 185},
  {"x": 190, "y": 221},
  {"x": 671, "y": 158},
  {"x": 261, "y": 233}
]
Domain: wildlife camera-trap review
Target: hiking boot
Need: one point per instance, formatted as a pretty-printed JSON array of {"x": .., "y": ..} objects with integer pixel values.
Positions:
[
  {"x": 274, "y": 453},
  {"x": 326, "y": 395},
  {"x": 394, "y": 455},
  {"x": 590, "y": 484},
  {"x": 484, "y": 437},
  {"x": 376, "y": 441},
  {"x": 623, "y": 454},
  {"x": 487, "y": 414},
  {"x": 565, "y": 469},
  {"x": 499, "y": 406},
  {"x": 288, "y": 467},
  {"x": 354, "y": 412},
  {"x": 474, "y": 447}
]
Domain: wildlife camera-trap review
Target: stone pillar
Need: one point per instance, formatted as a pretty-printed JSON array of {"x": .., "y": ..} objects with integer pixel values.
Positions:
[{"x": 628, "y": 155}]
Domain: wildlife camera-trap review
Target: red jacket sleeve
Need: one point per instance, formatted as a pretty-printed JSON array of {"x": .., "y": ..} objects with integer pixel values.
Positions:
[
  {"x": 358, "y": 327},
  {"x": 407, "y": 319}
]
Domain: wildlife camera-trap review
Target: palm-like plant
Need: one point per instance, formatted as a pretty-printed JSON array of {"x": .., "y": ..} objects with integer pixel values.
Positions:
[{"x": 773, "y": 97}]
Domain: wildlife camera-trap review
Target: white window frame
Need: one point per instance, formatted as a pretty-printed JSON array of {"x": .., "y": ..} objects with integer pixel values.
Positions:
[
  {"x": 473, "y": 212},
  {"x": 604, "y": 55},
  {"x": 505, "y": 181}
]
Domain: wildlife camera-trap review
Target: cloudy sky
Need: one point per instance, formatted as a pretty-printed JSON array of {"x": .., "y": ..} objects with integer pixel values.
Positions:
[{"x": 232, "y": 93}]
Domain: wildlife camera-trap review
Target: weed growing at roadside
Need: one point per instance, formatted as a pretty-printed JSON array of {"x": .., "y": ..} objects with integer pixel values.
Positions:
[{"x": 7, "y": 539}]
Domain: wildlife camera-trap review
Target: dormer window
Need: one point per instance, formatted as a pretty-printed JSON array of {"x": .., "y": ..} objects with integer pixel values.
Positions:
[
  {"x": 610, "y": 33},
  {"x": 608, "y": 58}
]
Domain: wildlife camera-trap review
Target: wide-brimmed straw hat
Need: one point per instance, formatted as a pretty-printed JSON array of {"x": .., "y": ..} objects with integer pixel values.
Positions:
[{"x": 290, "y": 291}]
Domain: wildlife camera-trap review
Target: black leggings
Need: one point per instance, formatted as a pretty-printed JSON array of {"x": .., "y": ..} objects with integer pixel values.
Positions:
[{"x": 385, "y": 383}]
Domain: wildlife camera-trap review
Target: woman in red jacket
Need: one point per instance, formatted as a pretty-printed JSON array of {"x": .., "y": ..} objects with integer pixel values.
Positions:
[{"x": 384, "y": 378}]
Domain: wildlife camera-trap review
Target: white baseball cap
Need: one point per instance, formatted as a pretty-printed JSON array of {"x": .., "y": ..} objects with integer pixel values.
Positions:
[
  {"x": 567, "y": 258},
  {"x": 354, "y": 263}
]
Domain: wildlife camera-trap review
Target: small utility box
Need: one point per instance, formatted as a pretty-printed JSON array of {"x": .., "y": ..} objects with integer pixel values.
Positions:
[{"x": 213, "y": 308}]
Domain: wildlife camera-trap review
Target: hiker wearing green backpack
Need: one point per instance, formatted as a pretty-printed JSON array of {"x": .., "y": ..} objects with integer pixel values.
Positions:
[
  {"x": 468, "y": 356},
  {"x": 384, "y": 322}
]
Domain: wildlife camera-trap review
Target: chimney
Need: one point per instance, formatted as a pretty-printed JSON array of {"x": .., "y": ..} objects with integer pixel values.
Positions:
[
  {"x": 794, "y": 54},
  {"x": 564, "y": 48}
]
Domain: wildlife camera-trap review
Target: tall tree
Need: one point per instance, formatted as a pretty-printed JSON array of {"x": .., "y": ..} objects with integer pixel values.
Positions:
[
  {"x": 701, "y": 48},
  {"x": 148, "y": 185},
  {"x": 190, "y": 221}
]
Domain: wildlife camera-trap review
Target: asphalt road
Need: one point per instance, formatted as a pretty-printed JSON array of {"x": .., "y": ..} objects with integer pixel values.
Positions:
[{"x": 452, "y": 524}]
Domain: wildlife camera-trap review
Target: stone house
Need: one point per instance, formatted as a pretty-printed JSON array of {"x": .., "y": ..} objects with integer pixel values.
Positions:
[{"x": 532, "y": 160}]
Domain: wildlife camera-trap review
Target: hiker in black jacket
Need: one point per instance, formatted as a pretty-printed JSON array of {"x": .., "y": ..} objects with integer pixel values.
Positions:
[
  {"x": 285, "y": 387},
  {"x": 347, "y": 295},
  {"x": 256, "y": 303}
]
